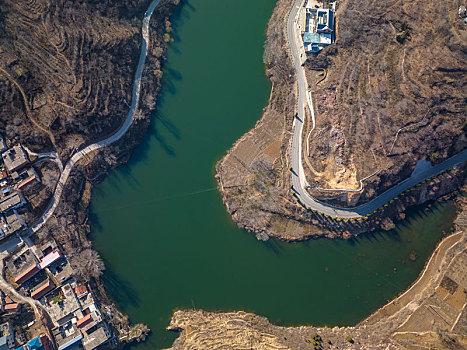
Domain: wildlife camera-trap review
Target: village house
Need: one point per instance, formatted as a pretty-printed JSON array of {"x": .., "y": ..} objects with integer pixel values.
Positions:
[
  {"x": 15, "y": 158},
  {"x": 41, "y": 342},
  {"x": 22, "y": 266},
  {"x": 10, "y": 223},
  {"x": 26, "y": 177},
  {"x": 3, "y": 177},
  {"x": 77, "y": 319},
  {"x": 8, "y": 305},
  {"x": 12, "y": 201},
  {"x": 67, "y": 336},
  {"x": 317, "y": 27},
  {"x": 54, "y": 262},
  {"x": 61, "y": 304},
  {"x": 7, "y": 336},
  {"x": 42, "y": 289}
]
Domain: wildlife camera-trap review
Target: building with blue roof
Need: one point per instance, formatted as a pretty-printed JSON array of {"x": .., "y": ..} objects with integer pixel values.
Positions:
[
  {"x": 311, "y": 38},
  {"x": 35, "y": 344},
  {"x": 72, "y": 343},
  {"x": 319, "y": 28}
]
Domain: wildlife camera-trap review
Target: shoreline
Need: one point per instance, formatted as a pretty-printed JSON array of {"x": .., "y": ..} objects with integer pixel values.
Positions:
[
  {"x": 282, "y": 206},
  {"x": 441, "y": 245},
  {"x": 214, "y": 329},
  {"x": 68, "y": 206}
]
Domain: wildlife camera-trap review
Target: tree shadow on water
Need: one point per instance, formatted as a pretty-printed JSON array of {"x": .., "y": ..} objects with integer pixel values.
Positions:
[
  {"x": 95, "y": 224},
  {"x": 170, "y": 79},
  {"x": 181, "y": 15},
  {"x": 126, "y": 174},
  {"x": 121, "y": 291},
  {"x": 273, "y": 245},
  {"x": 161, "y": 124}
]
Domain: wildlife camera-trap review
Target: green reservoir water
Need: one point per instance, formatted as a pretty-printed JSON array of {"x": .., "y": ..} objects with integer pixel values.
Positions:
[{"x": 161, "y": 227}]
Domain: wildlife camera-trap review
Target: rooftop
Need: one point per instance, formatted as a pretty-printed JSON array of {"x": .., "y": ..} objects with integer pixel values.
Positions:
[
  {"x": 3, "y": 174},
  {"x": 15, "y": 158},
  {"x": 10, "y": 223},
  {"x": 5, "y": 329},
  {"x": 84, "y": 321},
  {"x": 49, "y": 259},
  {"x": 46, "y": 248},
  {"x": 9, "y": 202},
  {"x": 13, "y": 307},
  {"x": 60, "y": 311},
  {"x": 61, "y": 269},
  {"x": 27, "y": 274},
  {"x": 67, "y": 335},
  {"x": 309, "y": 37},
  {"x": 98, "y": 336},
  {"x": 90, "y": 320},
  {"x": 22, "y": 266},
  {"x": 35, "y": 344},
  {"x": 4, "y": 343},
  {"x": 28, "y": 177},
  {"x": 43, "y": 289},
  {"x": 81, "y": 290}
]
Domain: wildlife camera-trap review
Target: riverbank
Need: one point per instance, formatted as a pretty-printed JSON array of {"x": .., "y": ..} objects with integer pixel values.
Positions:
[
  {"x": 254, "y": 177},
  {"x": 401, "y": 324},
  {"x": 87, "y": 165}
]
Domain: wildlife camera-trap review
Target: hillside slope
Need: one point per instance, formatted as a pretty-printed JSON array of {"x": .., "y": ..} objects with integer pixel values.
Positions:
[
  {"x": 395, "y": 65},
  {"x": 381, "y": 75}
]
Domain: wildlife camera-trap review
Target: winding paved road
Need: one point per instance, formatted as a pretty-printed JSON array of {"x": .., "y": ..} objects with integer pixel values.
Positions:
[
  {"x": 124, "y": 128},
  {"x": 298, "y": 175}
]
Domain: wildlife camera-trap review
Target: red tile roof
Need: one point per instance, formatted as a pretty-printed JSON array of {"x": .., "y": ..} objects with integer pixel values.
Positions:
[
  {"x": 8, "y": 300},
  {"x": 45, "y": 342},
  {"x": 42, "y": 290},
  {"x": 81, "y": 290},
  {"x": 11, "y": 307},
  {"x": 25, "y": 182},
  {"x": 84, "y": 321},
  {"x": 31, "y": 271}
]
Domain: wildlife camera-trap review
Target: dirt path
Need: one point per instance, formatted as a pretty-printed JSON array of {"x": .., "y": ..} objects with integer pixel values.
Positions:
[
  {"x": 432, "y": 268},
  {"x": 26, "y": 106}
]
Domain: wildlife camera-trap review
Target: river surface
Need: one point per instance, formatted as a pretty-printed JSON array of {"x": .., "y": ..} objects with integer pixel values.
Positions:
[{"x": 160, "y": 225}]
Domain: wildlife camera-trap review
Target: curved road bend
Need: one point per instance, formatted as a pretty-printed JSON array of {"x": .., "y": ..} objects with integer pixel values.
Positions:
[
  {"x": 298, "y": 176},
  {"x": 124, "y": 128},
  {"x": 5, "y": 286}
]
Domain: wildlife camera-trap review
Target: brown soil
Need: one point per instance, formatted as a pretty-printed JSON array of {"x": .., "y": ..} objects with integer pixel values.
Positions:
[
  {"x": 347, "y": 145},
  {"x": 382, "y": 75}
]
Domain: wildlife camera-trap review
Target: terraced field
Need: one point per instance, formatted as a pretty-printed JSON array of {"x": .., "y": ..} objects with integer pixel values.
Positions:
[
  {"x": 382, "y": 75},
  {"x": 66, "y": 70}
]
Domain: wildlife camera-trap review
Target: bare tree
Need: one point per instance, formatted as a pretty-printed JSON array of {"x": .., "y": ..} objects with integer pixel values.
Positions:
[{"x": 87, "y": 264}]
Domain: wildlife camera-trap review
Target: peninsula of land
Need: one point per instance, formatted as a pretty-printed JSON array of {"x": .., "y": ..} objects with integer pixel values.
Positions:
[
  {"x": 379, "y": 125},
  {"x": 342, "y": 165}
]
